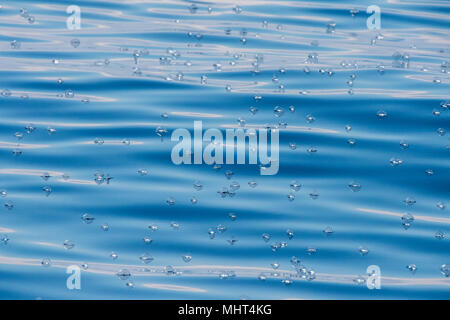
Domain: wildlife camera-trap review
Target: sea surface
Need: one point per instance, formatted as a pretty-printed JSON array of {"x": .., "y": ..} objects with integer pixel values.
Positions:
[{"x": 87, "y": 179}]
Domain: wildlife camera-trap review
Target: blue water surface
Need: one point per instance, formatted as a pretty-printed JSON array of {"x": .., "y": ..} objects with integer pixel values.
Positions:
[{"x": 363, "y": 131}]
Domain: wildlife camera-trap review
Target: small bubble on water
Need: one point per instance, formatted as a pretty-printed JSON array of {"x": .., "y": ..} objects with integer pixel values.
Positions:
[
  {"x": 331, "y": 27},
  {"x": 9, "y": 205},
  {"x": 310, "y": 118},
  {"x": 412, "y": 268},
  {"x": 142, "y": 172},
  {"x": 187, "y": 258},
  {"x": 381, "y": 114},
  {"x": 6, "y": 93},
  {"x": 440, "y": 205},
  {"x": 395, "y": 162},
  {"x": 360, "y": 280},
  {"x": 234, "y": 186},
  {"x": 328, "y": 231},
  {"x": 123, "y": 274},
  {"x": 75, "y": 43},
  {"x": 146, "y": 258},
  {"x": 314, "y": 195},
  {"x": 290, "y": 234},
  {"x": 69, "y": 94},
  {"x": 29, "y": 128},
  {"x": 265, "y": 237},
  {"x": 15, "y": 44},
  {"x": 439, "y": 235},
  {"x": 147, "y": 240},
  {"x": 170, "y": 201},
  {"x": 445, "y": 270},
  {"x": 237, "y": 9},
  {"x": 68, "y": 244},
  {"x": 4, "y": 238},
  {"x": 354, "y": 186},
  {"x": 410, "y": 201},
  {"x": 87, "y": 218},
  {"x": 46, "y": 262},
  {"x": 47, "y": 190},
  {"x": 295, "y": 186},
  {"x": 363, "y": 251}
]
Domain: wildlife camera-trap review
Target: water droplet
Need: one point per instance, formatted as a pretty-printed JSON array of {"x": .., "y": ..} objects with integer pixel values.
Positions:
[
  {"x": 4, "y": 238},
  {"x": 9, "y": 205},
  {"x": 291, "y": 197},
  {"x": 412, "y": 268},
  {"x": 142, "y": 172},
  {"x": 87, "y": 218},
  {"x": 234, "y": 186},
  {"x": 331, "y": 27},
  {"x": 46, "y": 262},
  {"x": 170, "y": 201},
  {"x": 445, "y": 270},
  {"x": 15, "y": 44},
  {"x": 265, "y": 237},
  {"x": 146, "y": 258},
  {"x": 354, "y": 186},
  {"x": 328, "y": 231},
  {"x": 114, "y": 255},
  {"x": 360, "y": 280},
  {"x": 407, "y": 220},
  {"x": 440, "y": 205},
  {"x": 123, "y": 274},
  {"x": 47, "y": 190},
  {"x": 429, "y": 172},
  {"x": 354, "y": 12},
  {"x": 148, "y": 240},
  {"x": 75, "y": 43},
  {"x": 395, "y": 162},
  {"x": 237, "y": 9},
  {"x": 29, "y": 128},
  {"x": 363, "y": 251},
  {"x": 69, "y": 93},
  {"x": 439, "y": 235},
  {"x": 314, "y": 195},
  {"x": 161, "y": 131},
  {"x": 187, "y": 258},
  {"x": 440, "y": 131},
  {"x": 410, "y": 201},
  {"x": 381, "y": 114},
  {"x": 3, "y": 193},
  {"x": 104, "y": 227},
  {"x": 290, "y": 234},
  {"x": 252, "y": 184},
  {"x": 68, "y": 244}
]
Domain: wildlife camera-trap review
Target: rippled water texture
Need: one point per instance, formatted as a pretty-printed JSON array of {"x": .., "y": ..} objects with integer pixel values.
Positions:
[{"x": 366, "y": 140}]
